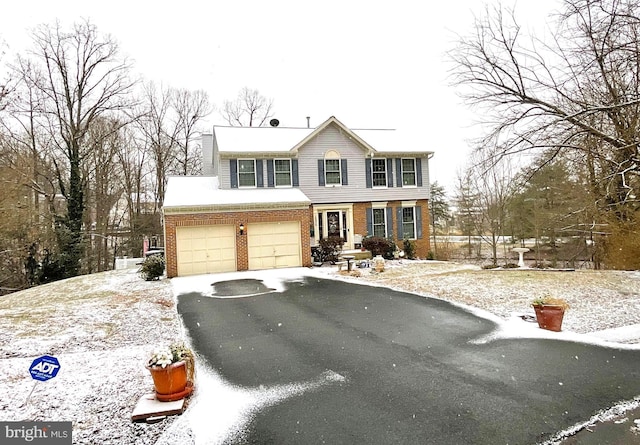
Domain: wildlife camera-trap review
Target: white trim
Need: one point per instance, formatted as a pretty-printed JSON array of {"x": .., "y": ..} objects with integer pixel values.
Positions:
[
  {"x": 379, "y": 205},
  {"x": 255, "y": 174},
  {"x": 275, "y": 173},
  {"x": 413, "y": 213},
  {"x": 415, "y": 173},
  {"x": 373, "y": 172},
  {"x": 326, "y": 183},
  {"x": 348, "y": 208},
  {"x": 384, "y": 218},
  {"x": 409, "y": 203}
]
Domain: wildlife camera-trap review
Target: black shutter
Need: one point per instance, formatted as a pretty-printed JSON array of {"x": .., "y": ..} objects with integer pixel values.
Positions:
[
  {"x": 389, "y": 172},
  {"x": 400, "y": 225},
  {"x": 259, "y": 173},
  {"x": 399, "y": 172},
  {"x": 294, "y": 173},
  {"x": 419, "y": 172},
  {"x": 233, "y": 173},
  {"x": 389, "y": 223},
  {"x": 369, "y": 221},
  {"x": 320, "y": 172},
  {"x": 271, "y": 182},
  {"x": 417, "y": 214},
  {"x": 367, "y": 168},
  {"x": 345, "y": 174}
]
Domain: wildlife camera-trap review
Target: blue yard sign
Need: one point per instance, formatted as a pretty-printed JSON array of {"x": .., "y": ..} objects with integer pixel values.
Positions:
[{"x": 44, "y": 368}]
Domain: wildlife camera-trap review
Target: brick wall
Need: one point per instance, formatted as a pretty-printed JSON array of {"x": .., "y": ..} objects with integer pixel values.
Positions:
[
  {"x": 423, "y": 244},
  {"x": 171, "y": 221}
]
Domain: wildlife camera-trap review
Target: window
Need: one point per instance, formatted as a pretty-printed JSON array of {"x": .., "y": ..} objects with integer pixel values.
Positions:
[
  {"x": 332, "y": 172},
  {"x": 408, "y": 223},
  {"x": 408, "y": 172},
  {"x": 246, "y": 172},
  {"x": 379, "y": 226},
  {"x": 282, "y": 172},
  {"x": 379, "y": 172}
]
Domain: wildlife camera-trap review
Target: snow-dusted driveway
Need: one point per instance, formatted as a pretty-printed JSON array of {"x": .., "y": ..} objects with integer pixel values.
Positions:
[{"x": 322, "y": 361}]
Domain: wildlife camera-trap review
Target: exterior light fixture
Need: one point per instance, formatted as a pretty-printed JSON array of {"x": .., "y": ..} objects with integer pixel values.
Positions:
[{"x": 241, "y": 228}]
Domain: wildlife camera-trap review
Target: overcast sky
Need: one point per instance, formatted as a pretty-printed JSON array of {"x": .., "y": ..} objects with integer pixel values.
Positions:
[{"x": 372, "y": 64}]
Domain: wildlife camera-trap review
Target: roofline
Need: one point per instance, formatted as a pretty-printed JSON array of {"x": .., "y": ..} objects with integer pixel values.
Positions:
[
  {"x": 221, "y": 208},
  {"x": 325, "y": 124}
]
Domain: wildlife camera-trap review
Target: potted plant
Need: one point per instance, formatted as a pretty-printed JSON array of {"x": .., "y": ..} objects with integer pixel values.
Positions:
[
  {"x": 550, "y": 312},
  {"x": 172, "y": 369}
]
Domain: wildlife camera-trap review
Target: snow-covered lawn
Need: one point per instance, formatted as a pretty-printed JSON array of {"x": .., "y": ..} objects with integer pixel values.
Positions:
[{"x": 102, "y": 328}]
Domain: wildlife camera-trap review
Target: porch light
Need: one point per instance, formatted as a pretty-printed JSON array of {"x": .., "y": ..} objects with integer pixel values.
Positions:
[{"x": 241, "y": 228}]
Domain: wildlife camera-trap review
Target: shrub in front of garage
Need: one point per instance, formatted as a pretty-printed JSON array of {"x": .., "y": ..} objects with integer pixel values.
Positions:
[{"x": 152, "y": 267}]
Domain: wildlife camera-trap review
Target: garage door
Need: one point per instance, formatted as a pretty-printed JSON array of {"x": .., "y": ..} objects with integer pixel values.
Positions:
[
  {"x": 274, "y": 245},
  {"x": 205, "y": 249}
]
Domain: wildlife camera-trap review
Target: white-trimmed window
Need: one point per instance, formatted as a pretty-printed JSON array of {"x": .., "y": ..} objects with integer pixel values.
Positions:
[
  {"x": 332, "y": 173},
  {"x": 379, "y": 172},
  {"x": 246, "y": 172},
  {"x": 379, "y": 217},
  {"x": 408, "y": 222},
  {"x": 408, "y": 172},
  {"x": 282, "y": 172}
]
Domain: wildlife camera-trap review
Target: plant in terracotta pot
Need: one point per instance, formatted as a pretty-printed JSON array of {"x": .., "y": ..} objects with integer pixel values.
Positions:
[
  {"x": 550, "y": 312},
  {"x": 172, "y": 369}
]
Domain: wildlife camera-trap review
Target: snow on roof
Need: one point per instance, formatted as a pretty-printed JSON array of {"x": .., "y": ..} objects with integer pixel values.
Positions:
[
  {"x": 203, "y": 191},
  {"x": 283, "y": 139},
  {"x": 259, "y": 139}
]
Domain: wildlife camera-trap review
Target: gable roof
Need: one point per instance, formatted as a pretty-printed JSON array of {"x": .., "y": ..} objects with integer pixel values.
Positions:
[
  {"x": 245, "y": 140},
  {"x": 325, "y": 124}
]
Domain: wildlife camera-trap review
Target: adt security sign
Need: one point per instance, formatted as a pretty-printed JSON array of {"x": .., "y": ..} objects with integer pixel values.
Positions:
[{"x": 44, "y": 368}]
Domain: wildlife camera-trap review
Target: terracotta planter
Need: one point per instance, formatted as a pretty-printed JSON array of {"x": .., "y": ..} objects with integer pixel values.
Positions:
[
  {"x": 549, "y": 316},
  {"x": 170, "y": 382}
]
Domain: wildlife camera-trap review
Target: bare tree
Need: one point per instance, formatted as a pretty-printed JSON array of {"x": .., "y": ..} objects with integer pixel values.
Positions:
[
  {"x": 81, "y": 78},
  {"x": 249, "y": 109},
  {"x": 103, "y": 191},
  {"x": 578, "y": 91},
  {"x": 190, "y": 108},
  {"x": 133, "y": 155},
  {"x": 161, "y": 131}
]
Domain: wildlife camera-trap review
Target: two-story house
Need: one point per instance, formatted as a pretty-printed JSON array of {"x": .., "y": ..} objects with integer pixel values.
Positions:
[{"x": 268, "y": 194}]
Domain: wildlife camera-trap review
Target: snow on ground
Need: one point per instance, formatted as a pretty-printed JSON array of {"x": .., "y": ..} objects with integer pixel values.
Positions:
[{"x": 102, "y": 328}]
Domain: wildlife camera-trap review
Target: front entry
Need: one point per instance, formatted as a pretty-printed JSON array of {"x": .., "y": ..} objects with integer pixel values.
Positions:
[{"x": 331, "y": 222}]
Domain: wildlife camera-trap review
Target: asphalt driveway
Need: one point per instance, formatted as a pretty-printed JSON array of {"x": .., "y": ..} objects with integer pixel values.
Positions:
[{"x": 397, "y": 368}]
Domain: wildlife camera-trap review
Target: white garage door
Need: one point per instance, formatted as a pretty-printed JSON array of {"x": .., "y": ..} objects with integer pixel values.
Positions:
[
  {"x": 205, "y": 249},
  {"x": 274, "y": 245}
]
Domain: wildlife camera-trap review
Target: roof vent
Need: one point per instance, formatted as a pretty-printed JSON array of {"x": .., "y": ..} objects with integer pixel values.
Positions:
[{"x": 274, "y": 122}]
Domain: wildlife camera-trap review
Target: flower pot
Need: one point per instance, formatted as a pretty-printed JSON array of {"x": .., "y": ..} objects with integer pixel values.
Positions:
[
  {"x": 170, "y": 382},
  {"x": 549, "y": 316}
]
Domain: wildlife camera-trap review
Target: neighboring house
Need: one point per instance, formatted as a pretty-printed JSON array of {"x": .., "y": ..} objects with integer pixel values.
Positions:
[{"x": 268, "y": 194}]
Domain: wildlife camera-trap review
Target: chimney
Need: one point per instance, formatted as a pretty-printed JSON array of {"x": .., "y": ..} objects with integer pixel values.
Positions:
[{"x": 308, "y": 121}]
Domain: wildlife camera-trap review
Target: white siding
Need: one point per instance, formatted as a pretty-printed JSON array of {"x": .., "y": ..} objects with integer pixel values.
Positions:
[
  {"x": 332, "y": 138},
  {"x": 356, "y": 191}
]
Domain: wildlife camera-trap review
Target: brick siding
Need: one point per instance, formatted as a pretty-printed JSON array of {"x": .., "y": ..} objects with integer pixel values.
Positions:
[{"x": 172, "y": 221}]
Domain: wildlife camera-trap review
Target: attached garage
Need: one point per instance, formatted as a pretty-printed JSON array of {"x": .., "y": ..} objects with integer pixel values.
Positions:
[
  {"x": 274, "y": 245},
  {"x": 209, "y": 230},
  {"x": 206, "y": 249}
]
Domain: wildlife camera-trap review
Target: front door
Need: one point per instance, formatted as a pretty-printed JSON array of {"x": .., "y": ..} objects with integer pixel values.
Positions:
[{"x": 333, "y": 223}]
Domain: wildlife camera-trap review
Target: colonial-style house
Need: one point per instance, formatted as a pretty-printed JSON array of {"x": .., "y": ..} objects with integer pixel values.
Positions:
[{"x": 268, "y": 194}]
